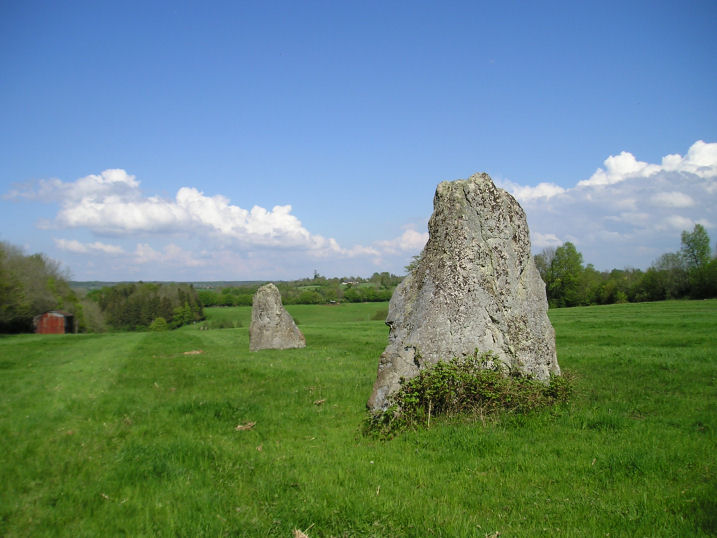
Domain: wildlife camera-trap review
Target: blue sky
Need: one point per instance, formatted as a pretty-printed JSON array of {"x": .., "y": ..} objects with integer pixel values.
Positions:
[{"x": 263, "y": 140}]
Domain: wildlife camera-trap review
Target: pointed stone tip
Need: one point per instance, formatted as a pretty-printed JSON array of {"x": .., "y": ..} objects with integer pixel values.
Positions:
[
  {"x": 269, "y": 286},
  {"x": 481, "y": 177},
  {"x": 478, "y": 177},
  {"x": 480, "y": 181}
]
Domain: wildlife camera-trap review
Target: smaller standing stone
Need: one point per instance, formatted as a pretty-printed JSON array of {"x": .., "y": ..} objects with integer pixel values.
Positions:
[{"x": 272, "y": 327}]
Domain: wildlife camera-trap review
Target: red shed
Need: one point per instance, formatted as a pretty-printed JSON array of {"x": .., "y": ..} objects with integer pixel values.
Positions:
[{"x": 54, "y": 322}]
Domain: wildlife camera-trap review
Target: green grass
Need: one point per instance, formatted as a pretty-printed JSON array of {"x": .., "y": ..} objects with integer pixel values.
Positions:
[
  {"x": 126, "y": 434},
  {"x": 310, "y": 314}
]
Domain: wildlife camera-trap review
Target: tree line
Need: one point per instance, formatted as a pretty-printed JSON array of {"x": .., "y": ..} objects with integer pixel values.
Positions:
[
  {"x": 315, "y": 290},
  {"x": 690, "y": 273},
  {"x": 34, "y": 284},
  {"x": 142, "y": 305},
  {"x": 31, "y": 285}
]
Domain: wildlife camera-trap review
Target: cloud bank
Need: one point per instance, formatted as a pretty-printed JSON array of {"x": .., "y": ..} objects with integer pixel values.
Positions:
[
  {"x": 192, "y": 229},
  {"x": 629, "y": 211}
]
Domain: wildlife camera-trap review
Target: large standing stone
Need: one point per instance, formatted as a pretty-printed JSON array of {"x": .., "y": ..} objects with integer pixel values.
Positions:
[
  {"x": 475, "y": 287},
  {"x": 272, "y": 327}
]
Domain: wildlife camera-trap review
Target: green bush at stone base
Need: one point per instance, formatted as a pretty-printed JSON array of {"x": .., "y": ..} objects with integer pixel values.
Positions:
[{"x": 474, "y": 386}]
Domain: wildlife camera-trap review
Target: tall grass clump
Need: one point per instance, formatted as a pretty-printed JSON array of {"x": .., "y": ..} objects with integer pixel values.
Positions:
[{"x": 474, "y": 386}]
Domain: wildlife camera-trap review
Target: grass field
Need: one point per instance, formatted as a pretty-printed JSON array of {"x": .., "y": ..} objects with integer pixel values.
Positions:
[{"x": 130, "y": 434}]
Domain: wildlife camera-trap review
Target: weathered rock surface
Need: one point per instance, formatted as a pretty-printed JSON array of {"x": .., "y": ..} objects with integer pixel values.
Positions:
[
  {"x": 272, "y": 327},
  {"x": 475, "y": 287}
]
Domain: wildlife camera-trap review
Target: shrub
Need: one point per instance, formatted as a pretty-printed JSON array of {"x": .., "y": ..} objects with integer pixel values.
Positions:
[
  {"x": 159, "y": 324},
  {"x": 474, "y": 385}
]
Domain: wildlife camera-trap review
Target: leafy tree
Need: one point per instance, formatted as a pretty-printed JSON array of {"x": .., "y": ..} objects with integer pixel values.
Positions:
[
  {"x": 353, "y": 295},
  {"x": 310, "y": 297},
  {"x": 697, "y": 256},
  {"x": 665, "y": 279},
  {"x": 709, "y": 280},
  {"x": 182, "y": 315},
  {"x": 543, "y": 261},
  {"x": 14, "y": 308},
  {"x": 594, "y": 283},
  {"x": 564, "y": 286},
  {"x": 135, "y": 306},
  {"x": 696, "y": 247},
  {"x": 208, "y": 297},
  {"x": 158, "y": 325},
  {"x": 31, "y": 285}
]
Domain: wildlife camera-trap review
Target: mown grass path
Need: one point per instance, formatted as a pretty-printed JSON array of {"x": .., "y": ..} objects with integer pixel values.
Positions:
[{"x": 131, "y": 434}]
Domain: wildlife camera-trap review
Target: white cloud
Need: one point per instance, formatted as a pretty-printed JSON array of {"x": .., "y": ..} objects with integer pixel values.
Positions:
[
  {"x": 194, "y": 230},
  {"x": 618, "y": 168},
  {"x": 625, "y": 213},
  {"x": 676, "y": 223},
  {"x": 541, "y": 190},
  {"x": 170, "y": 254},
  {"x": 545, "y": 240},
  {"x": 701, "y": 160},
  {"x": 111, "y": 203},
  {"x": 110, "y": 183},
  {"x": 72, "y": 245},
  {"x": 634, "y": 218},
  {"x": 409, "y": 241},
  {"x": 525, "y": 193},
  {"x": 672, "y": 199}
]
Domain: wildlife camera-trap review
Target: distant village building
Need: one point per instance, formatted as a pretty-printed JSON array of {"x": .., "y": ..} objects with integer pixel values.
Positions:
[{"x": 54, "y": 322}]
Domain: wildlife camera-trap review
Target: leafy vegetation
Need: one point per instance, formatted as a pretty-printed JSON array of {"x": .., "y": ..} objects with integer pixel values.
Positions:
[
  {"x": 136, "y": 433},
  {"x": 31, "y": 285},
  {"x": 474, "y": 386},
  {"x": 689, "y": 273},
  {"x": 143, "y": 305},
  {"x": 317, "y": 290}
]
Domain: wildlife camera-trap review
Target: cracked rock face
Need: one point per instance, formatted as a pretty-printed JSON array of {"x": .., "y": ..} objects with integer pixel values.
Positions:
[
  {"x": 476, "y": 287},
  {"x": 272, "y": 327}
]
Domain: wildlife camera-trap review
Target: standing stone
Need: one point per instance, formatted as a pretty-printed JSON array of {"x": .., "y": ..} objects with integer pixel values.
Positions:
[
  {"x": 272, "y": 327},
  {"x": 475, "y": 288}
]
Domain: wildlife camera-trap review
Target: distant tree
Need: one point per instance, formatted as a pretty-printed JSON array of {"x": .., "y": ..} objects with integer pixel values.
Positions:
[
  {"x": 208, "y": 297},
  {"x": 309, "y": 297},
  {"x": 673, "y": 275},
  {"x": 709, "y": 282},
  {"x": 158, "y": 325},
  {"x": 543, "y": 262},
  {"x": 14, "y": 308},
  {"x": 134, "y": 306},
  {"x": 697, "y": 256},
  {"x": 353, "y": 295},
  {"x": 93, "y": 320},
  {"x": 593, "y": 282},
  {"x": 696, "y": 247},
  {"x": 31, "y": 285},
  {"x": 564, "y": 286}
]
